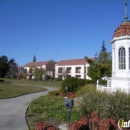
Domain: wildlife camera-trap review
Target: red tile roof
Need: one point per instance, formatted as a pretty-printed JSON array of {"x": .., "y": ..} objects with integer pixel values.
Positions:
[
  {"x": 122, "y": 30},
  {"x": 36, "y": 64},
  {"x": 72, "y": 62}
]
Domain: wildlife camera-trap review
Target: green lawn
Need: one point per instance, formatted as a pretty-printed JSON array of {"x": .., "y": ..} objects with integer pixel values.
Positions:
[
  {"x": 56, "y": 84},
  {"x": 11, "y": 90},
  {"x": 22, "y": 87}
]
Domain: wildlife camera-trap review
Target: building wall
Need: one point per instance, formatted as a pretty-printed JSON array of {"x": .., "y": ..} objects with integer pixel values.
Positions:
[
  {"x": 78, "y": 71},
  {"x": 120, "y": 42},
  {"x": 27, "y": 68},
  {"x": 43, "y": 66}
]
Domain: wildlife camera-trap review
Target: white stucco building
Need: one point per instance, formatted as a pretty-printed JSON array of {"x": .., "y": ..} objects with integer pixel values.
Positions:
[
  {"x": 35, "y": 65},
  {"x": 120, "y": 79},
  {"x": 71, "y": 68}
]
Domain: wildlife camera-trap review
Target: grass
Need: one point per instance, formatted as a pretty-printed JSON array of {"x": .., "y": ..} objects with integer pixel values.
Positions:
[
  {"x": 11, "y": 90},
  {"x": 22, "y": 87},
  {"x": 50, "y": 109},
  {"x": 56, "y": 84}
]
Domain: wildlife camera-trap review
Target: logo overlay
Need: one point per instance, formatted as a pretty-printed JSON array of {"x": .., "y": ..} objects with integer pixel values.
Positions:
[{"x": 123, "y": 124}]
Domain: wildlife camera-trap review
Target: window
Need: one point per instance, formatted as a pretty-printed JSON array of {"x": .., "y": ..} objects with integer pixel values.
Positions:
[{"x": 122, "y": 61}]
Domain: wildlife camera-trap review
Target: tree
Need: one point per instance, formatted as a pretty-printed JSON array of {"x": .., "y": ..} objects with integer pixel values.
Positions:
[
  {"x": 13, "y": 68},
  {"x": 34, "y": 58},
  {"x": 93, "y": 71},
  {"x": 103, "y": 49},
  {"x": 30, "y": 70},
  {"x": 104, "y": 56},
  {"x": 39, "y": 73},
  {"x": 50, "y": 67},
  {"x": 21, "y": 74},
  {"x": 4, "y": 67},
  {"x": 64, "y": 73},
  {"x": 7, "y": 68},
  {"x": 101, "y": 66}
]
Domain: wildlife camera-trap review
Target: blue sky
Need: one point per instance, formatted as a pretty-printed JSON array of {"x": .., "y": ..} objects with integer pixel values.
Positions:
[{"x": 57, "y": 29}]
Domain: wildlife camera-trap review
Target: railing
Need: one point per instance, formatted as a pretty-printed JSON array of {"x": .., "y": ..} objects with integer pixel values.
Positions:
[{"x": 104, "y": 87}]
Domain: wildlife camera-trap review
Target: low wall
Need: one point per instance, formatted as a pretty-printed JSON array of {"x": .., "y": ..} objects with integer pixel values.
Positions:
[{"x": 103, "y": 88}]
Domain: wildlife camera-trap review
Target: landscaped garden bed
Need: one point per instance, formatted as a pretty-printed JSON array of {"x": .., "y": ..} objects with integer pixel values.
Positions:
[
  {"x": 96, "y": 110},
  {"x": 51, "y": 110}
]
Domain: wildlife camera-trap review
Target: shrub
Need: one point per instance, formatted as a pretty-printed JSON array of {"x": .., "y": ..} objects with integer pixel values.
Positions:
[
  {"x": 93, "y": 122},
  {"x": 90, "y": 81},
  {"x": 108, "y": 105},
  {"x": 102, "y": 82},
  {"x": 43, "y": 126},
  {"x": 62, "y": 94},
  {"x": 54, "y": 93},
  {"x": 83, "y": 90},
  {"x": 95, "y": 100},
  {"x": 1, "y": 80},
  {"x": 40, "y": 126},
  {"x": 57, "y": 79},
  {"x": 71, "y": 95},
  {"x": 73, "y": 84},
  {"x": 120, "y": 105}
]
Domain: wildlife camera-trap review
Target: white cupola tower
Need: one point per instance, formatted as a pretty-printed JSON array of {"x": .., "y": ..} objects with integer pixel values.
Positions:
[{"x": 121, "y": 57}]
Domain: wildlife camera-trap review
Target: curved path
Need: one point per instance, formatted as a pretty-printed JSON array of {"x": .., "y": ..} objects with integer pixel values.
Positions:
[{"x": 12, "y": 111}]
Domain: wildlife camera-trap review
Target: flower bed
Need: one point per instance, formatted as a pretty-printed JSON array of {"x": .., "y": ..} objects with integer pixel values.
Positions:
[
  {"x": 88, "y": 122},
  {"x": 93, "y": 122},
  {"x": 51, "y": 110}
]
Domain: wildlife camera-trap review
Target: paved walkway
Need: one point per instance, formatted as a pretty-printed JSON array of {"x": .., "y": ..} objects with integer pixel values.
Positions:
[{"x": 12, "y": 111}]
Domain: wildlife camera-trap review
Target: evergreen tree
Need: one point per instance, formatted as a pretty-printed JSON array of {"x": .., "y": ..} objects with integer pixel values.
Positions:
[
  {"x": 13, "y": 68},
  {"x": 4, "y": 66},
  {"x": 103, "y": 49},
  {"x": 34, "y": 58},
  {"x": 7, "y": 67},
  {"x": 103, "y": 55},
  {"x": 101, "y": 66}
]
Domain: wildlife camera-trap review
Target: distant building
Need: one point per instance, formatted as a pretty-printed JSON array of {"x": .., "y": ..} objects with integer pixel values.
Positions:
[
  {"x": 39, "y": 65},
  {"x": 72, "y": 68},
  {"x": 21, "y": 69},
  {"x": 63, "y": 69},
  {"x": 33, "y": 65}
]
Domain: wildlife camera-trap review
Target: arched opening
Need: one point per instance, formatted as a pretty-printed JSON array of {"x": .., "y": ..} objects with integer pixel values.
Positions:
[{"x": 122, "y": 58}]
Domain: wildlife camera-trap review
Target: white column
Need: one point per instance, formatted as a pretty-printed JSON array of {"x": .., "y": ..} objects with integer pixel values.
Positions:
[
  {"x": 127, "y": 58},
  {"x": 82, "y": 72},
  {"x": 73, "y": 71}
]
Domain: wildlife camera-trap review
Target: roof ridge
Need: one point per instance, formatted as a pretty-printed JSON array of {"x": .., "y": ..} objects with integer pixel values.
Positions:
[{"x": 74, "y": 59}]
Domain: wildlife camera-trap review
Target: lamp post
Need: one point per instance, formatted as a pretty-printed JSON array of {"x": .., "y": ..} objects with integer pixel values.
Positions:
[{"x": 69, "y": 105}]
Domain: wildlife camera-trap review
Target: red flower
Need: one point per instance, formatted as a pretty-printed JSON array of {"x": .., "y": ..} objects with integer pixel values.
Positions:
[{"x": 40, "y": 125}]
